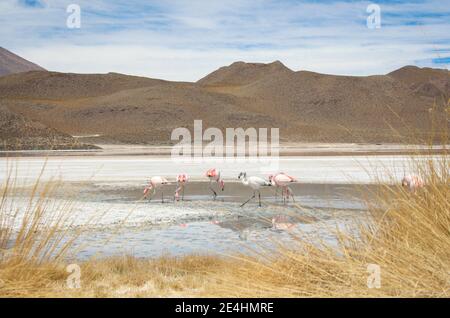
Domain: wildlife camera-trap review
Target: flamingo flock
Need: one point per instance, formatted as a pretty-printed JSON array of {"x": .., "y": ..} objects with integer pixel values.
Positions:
[{"x": 280, "y": 180}]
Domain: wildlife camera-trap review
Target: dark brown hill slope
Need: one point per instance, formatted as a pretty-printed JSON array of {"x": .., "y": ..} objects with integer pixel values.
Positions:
[
  {"x": 53, "y": 85},
  {"x": 427, "y": 82},
  {"x": 354, "y": 102},
  {"x": 241, "y": 73},
  {"x": 18, "y": 132},
  {"x": 11, "y": 63}
]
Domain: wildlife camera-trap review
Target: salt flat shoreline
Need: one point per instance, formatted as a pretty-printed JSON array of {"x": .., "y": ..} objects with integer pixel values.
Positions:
[
  {"x": 287, "y": 149},
  {"x": 132, "y": 170}
]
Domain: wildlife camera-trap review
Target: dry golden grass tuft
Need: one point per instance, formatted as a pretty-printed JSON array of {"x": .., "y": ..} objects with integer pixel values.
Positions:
[
  {"x": 34, "y": 235},
  {"x": 131, "y": 277}
]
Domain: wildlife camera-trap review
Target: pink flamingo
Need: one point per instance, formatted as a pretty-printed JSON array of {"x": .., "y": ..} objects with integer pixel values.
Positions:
[
  {"x": 181, "y": 182},
  {"x": 413, "y": 182},
  {"x": 282, "y": 180},
  {"x": 214, "y": 175},
  {"x": 155, "y": 182}
]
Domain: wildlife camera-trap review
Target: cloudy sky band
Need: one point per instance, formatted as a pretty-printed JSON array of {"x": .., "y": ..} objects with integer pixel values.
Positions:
[{"x": 184, "y": 40}]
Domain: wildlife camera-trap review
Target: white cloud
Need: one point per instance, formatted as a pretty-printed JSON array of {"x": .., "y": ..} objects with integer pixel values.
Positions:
[{"x": 184, "y": 40}]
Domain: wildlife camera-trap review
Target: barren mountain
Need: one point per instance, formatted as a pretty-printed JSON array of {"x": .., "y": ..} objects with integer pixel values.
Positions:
[
  {"x": 241, "y": 73},
  {"x": 425, "y": 81},
  {"x": 11, "y": 63},
  {"x": 38, "y": 84},
  {"x": 18, "y": 132},
  {"x": 136, "y": 115},
  {"x": 306, "y": 106},
  {"x": 328, "y": 100}
]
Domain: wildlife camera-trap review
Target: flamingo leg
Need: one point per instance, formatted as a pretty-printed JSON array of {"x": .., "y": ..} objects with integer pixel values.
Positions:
[
  {"x": 182, "y": 194},
  {"x": 291, "y": 193},
  {"x": 162, "y": 196},
  {"x": 252, "y": 197},
  {"x": 177, "y": 192},
  {"x": 259, "y": 197},
  {"x": 151, "y": 195},
  {"x": 214, "y": 192}
]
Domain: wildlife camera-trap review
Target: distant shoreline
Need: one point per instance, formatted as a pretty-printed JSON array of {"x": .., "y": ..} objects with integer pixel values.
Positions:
[{"x": 288, "y": 149}]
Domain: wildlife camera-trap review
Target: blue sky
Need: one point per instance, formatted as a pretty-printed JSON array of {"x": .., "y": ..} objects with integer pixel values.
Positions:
[{"x": 184, "y": 40}]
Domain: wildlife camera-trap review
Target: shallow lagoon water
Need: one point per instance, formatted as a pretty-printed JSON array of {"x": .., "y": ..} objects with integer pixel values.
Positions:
[
  {"x": 207, "y": 227},
  {"x": 112, "y": 187}
]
